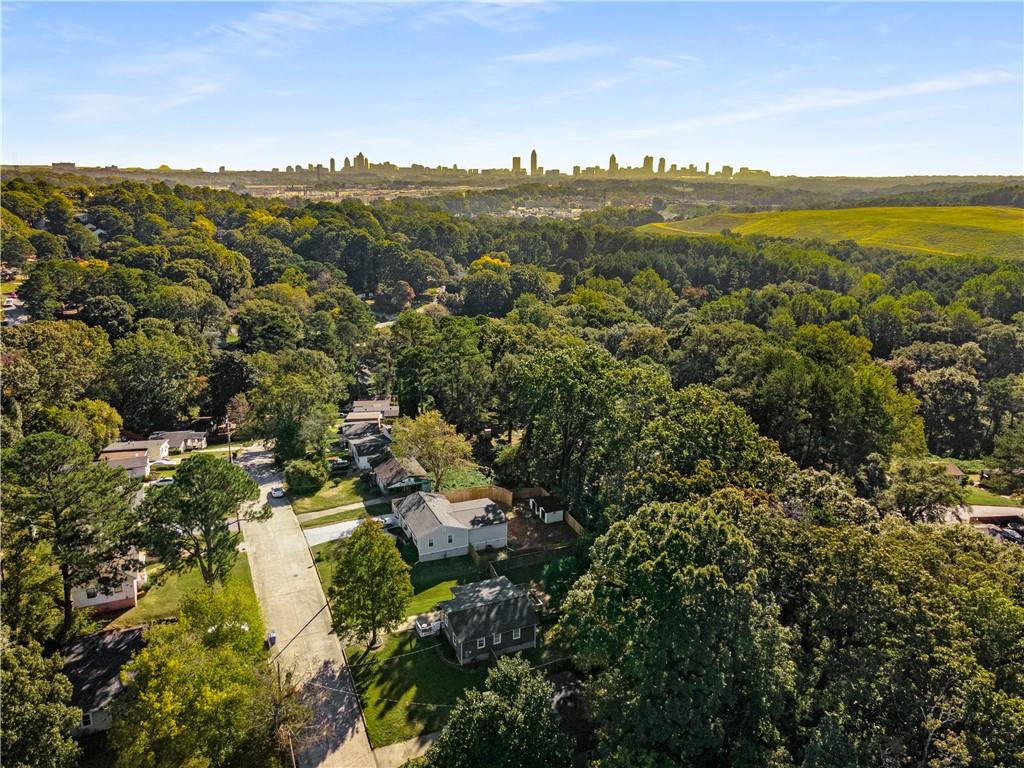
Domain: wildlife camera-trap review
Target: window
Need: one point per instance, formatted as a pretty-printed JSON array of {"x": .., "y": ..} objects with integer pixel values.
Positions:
[
  {"x": 516, "y": 634},
  {"x": 496, "y": 637},
  {"x": 450, "y": 538},
  {"x": 481, "y": 643},
  {"x": 119, "y": 589},
  {"x": 430, "y": 542},
  {"x": 90, "y": 592},
  {"x": 467, "y": 653},
  {"x": 87, "y": 719}
]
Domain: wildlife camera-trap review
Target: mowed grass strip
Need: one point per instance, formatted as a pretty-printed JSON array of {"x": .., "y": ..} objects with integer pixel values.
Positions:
[
  {"x": 407, "y": 686},
  {"x": 949, "y": 230}
]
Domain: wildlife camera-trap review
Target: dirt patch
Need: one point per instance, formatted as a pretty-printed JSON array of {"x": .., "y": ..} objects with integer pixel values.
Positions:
[{"x": 529, "y": 533}]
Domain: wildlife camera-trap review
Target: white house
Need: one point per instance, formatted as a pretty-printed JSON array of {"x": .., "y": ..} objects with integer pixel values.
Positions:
[
  {"x": 182, "y": 440},
  {"x": 116, "y": 598},
  {"x": 367, "y": 450},
  {"x": 135, "y": 463},
  {"x": 158, "y": 449},
  {"x": 386, "y": 408},
  {"x": 439, "y": 528}
]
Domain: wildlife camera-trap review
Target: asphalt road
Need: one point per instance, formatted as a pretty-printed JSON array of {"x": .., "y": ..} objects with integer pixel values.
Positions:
[{"x": 290, "y": 596}]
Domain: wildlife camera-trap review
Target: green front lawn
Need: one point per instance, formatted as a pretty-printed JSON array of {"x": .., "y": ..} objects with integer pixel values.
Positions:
[
  {"x": 432, "y": 581},
  {"x": 162, "y": 601},
  {"x": 986, "y": 498},
  {"x": 397, "y": 691},
  {"x": 349, "y": 514},
  {"x": 12, "y": 286},
  {"x": 336, "y": 493}
]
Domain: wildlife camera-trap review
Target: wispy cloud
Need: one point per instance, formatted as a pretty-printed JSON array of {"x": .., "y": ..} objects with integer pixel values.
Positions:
[
  {"x": 95, "y": 107},
  {"x": 560, "y": 53},
  {"x": 831, "y": 98},
  {"x": 495, "y": 15}
]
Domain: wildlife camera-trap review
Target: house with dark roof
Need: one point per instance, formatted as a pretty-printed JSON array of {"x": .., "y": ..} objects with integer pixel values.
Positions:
[
  {"x": 487, "y": 618},
  {"x": 399, "y": 475},
  {"x": 93, "y": 665},
  {"x": 386, "y": 408},
  {"x": 440, "y": 528},
  {"x": 365, "y": 450}
]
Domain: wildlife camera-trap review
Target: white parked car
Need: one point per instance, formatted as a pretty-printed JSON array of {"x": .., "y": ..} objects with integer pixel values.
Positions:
[
  {"x": 163, "y": 481},
  {"x": 277, "y": 492}
]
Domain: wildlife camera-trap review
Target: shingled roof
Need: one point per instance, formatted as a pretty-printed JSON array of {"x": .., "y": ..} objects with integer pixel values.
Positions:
[
  {"x": 391, "y": 469},
  {"x": 486, "y": 608},
  {"x": 93, "y": 665}
]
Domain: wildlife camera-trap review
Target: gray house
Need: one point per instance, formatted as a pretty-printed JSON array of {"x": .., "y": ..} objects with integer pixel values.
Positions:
[
  {"x": 399, "y": 475},
  {"x": 440, "y": 528},
  {"x": 489, "y": 617},
  {"x": 93, "y": 665}
]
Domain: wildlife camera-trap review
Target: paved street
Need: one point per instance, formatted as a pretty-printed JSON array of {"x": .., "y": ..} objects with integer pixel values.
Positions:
[{"x": 290, "y": 595}]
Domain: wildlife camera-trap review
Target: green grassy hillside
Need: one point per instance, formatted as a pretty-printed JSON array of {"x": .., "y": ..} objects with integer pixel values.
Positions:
[{"x": 958, "y": 230}]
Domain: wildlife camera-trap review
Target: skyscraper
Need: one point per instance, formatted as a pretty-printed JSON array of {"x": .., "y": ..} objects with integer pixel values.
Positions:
[
  {"x": 613, "y": 164},
  {"x": 648, "y": 163},
  {"x": 332, "y": 165},
  {"x": 707, "y": 169},
  {"x": 348, "y": 164},
  {"x": 727, "y": 171},
  {"x": 517, "y": 164},
  {"x": 661, "y": 165},
  {"x": 533, "y": 163}
]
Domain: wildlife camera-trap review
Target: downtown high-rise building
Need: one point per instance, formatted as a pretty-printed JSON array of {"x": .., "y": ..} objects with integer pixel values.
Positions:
[
  {"x": 517, "y": 164},
  {"x": 613, "y": 164},
  {"x": 533, "y": 163},
  {"x": 333, "y": 168}
]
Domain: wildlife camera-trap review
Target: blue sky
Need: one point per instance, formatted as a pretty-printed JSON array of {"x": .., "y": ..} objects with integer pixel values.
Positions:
[{"x": 809, "y": 89}]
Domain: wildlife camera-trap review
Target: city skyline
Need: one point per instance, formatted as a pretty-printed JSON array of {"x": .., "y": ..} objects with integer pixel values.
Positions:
[{"x": 803, "y": 89}]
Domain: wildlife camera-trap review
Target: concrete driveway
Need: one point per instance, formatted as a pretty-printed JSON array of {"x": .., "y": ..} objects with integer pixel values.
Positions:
[
  {"x": 291, "y": 598},
  {"x": 330, "y": 532}
]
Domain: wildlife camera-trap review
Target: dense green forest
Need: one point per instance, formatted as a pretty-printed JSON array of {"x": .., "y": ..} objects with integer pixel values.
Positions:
[{"x": 742, "y": 424}]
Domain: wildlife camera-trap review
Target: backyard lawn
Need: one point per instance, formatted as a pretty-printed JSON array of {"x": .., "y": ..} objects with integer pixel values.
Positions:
[
  {"x": 465, "y": 477},
  {"x": 397, "y": 690},
  {"x": 161, "y": 601},
  {"x": 986, "y": 498},
  {"x": 432, "y": 581},
  {"x": 336, "y": 493}
]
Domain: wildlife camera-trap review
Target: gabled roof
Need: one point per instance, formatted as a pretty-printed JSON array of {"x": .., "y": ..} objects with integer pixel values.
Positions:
[
  {"x": 93, "y": 665},
  {"x": 357, "y": 416},
  {"x": 385, "y": 407},
  {"x": 178, "y": 437},
  {"x": 488, "y": 607},
  {"x": 426, "y": 512},
  {"x": 127, "y": 459},
  {"x": 391, "y": 470},
  {"x": 361, "y": 429},
  {"x": 371, "y": 446},
  {"x": 477, "y": 513},
  {"x": 133, "y": 445}
]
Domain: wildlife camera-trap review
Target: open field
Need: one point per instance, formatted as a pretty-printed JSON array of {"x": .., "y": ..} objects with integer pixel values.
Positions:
[
  {"x": 407, "y": 687},
  {"x": 952, "y": 230},
  {"x": 162, "y": 601}
]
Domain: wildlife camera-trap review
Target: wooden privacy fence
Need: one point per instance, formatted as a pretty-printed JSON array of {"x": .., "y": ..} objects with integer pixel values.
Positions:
[
  {"x": 574, "y": 524},
  {"x": 501, "y": 565},
  {"x": 492, "y": 492},
  {"x": 526, "y": 493}
]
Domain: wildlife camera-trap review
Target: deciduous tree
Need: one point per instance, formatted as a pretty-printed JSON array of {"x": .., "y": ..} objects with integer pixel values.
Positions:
[
  {"x": 371, "y": 589},
  {"x": 435, "y": 444}
]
